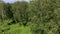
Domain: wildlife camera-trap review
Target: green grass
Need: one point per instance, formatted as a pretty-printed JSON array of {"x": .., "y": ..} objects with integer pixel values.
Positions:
[
  {"x": 17, "y": 29},
  {"x": 14, "y": 28}
]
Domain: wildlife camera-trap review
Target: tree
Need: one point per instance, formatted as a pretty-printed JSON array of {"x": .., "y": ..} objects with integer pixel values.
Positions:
[
  {"x": 43, "y": 13},
  {"x": 8, "y": 11},
  {"x": 20, "y": 11}
]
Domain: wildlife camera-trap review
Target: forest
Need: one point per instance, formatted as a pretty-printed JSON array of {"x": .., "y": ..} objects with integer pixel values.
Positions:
[{"x": 34, "y": 17}]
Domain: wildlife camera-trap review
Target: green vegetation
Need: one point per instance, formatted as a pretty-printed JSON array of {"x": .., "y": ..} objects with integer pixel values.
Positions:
[{"x": 34, "y": 17}]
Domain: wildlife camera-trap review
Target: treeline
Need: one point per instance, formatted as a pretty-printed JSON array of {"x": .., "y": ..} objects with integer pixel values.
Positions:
[{"x": 43, "y": 16}]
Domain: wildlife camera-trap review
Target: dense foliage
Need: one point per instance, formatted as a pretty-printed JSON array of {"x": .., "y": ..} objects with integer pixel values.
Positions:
[{"x": 34, "y": 17}]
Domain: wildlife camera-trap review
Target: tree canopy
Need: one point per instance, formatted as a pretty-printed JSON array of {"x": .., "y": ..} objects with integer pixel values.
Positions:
[{"x": 34, "y": 17}]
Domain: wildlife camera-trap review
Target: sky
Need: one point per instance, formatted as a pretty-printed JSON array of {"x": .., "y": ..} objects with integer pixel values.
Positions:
[{"x": 12, "y": 1}]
